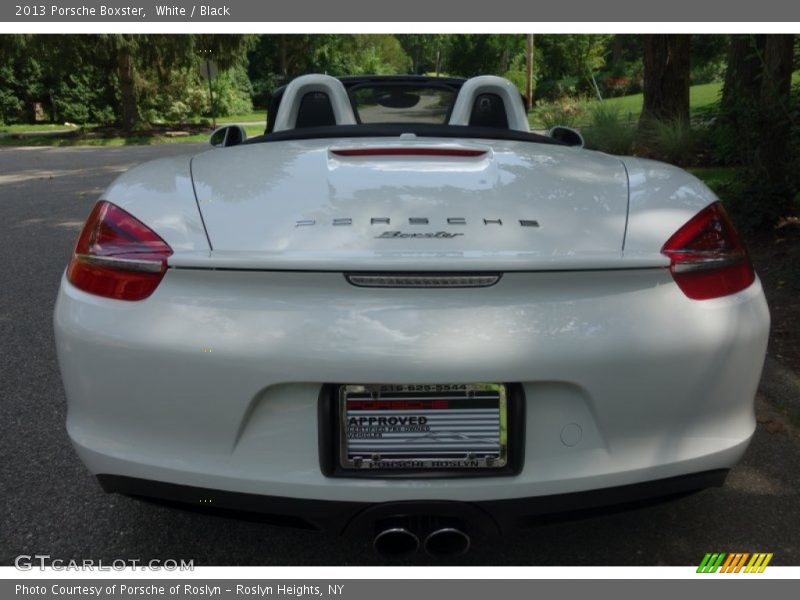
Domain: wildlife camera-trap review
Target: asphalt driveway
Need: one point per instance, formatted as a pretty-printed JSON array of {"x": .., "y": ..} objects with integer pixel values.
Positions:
[{"x": 53, "y": 506}]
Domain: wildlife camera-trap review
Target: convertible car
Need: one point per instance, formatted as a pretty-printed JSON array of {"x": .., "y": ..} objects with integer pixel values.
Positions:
[{"x": 400, "y": 313}]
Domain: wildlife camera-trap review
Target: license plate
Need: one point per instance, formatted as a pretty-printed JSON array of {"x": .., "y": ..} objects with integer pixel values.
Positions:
[{"x": 423, "y": 427}]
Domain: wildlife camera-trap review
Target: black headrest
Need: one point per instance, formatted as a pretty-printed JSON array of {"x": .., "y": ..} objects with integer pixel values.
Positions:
[
  {"x": 315, "y": 111},
  {"x": 489, "y": 110}
]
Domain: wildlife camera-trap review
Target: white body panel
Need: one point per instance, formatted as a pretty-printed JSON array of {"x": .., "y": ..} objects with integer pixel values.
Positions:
[
  {"x": 160, "y": 193},
  {"x": 253, "y": 197},
  {"x": 197, "y": 387},
  {"x": 662, "y": 199}
]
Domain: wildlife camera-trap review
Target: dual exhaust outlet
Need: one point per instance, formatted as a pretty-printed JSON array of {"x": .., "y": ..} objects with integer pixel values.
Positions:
[{"x": 442, "y": 540}]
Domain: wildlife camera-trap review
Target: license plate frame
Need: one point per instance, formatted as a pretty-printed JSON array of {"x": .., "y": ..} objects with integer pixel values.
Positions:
[{"x": 333, "y": 447}]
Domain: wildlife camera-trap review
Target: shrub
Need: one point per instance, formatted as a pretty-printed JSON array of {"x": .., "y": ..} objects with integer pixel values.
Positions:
[
  {"x": 10, "y": 104},
  {"x": 177, "y": 112},
  {"x": 621, "y": 85},
  {"x": 565, "y": 112},
  {"x": 557, "y": 88},
  {"x": 518, "y": 78},
  {"x": 180, "y": 94},
  {"x": 232, "y": 92},
  {"x": 104, "y": 115},
  {"x": 78, "y": 98},
  {"x": 755, "y": 203},
  {"x": 708, "y": 73},
  {"x": 608, "y": 131},
  {"x": 72, "y": 112},
  {"x": 615, "y": 85},
  {"x": 761, "y": 194},
  {"x": 264, "y": 87},
  {"x": 672, "y": 141}
]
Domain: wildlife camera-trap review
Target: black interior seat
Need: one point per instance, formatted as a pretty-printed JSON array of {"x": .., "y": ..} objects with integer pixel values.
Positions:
[
  {"x": 315, "y": 111},
  {"x": 489, "y": 110}
]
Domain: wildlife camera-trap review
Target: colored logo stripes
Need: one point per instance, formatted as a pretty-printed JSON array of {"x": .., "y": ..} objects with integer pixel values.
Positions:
[{"x": 734, "y": 562}]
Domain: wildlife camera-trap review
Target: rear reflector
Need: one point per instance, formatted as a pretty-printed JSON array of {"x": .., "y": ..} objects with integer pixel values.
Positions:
[
  {"x": 117, "y": 256},
  {"x": 408, "y": 151},
  {"x": 708, "y": 259}
]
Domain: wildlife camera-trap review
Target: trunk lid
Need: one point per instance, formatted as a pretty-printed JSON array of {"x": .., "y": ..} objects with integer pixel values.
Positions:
[{"x": 411, "y": 203}]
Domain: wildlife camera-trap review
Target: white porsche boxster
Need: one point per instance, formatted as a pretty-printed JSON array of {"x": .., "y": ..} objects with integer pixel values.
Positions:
[{"x": 401, "y": 312}]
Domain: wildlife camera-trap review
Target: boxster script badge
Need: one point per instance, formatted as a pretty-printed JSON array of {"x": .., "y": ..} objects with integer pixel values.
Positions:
[{"x": 387, "y": 235}]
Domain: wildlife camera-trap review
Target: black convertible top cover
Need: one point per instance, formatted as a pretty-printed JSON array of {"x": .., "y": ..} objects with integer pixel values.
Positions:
[{"x": 397, "y": 129}]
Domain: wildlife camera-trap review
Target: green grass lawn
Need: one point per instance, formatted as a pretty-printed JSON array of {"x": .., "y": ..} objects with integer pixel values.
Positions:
[
  {"x": 700, "y": 96},
  {"x": 630, "y": 107},
  {"x": 255, "y": 123},
  {"x": 132, "y": 140},
  {"x": 36, "y": 128},
  {"x": 717, "y": 178},
  {"x": 251, "y": 117},
  {"x": 255, "y": 116}
]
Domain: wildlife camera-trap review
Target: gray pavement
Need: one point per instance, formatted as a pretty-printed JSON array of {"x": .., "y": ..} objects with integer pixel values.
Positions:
[{"x": 51, "y": 505}]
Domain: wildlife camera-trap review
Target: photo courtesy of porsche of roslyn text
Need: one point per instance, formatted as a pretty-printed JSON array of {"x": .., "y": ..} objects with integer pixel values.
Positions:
[{"x": 493, "y": 299}]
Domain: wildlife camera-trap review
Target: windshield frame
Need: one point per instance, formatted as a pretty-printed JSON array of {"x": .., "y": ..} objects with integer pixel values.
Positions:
[{"x": 351, "y": 90}]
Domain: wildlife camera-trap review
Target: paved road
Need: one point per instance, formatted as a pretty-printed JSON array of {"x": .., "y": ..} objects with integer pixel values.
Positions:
[{"x": 51, "y": 505}]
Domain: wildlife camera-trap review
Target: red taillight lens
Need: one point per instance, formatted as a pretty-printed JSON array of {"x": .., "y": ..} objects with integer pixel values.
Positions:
[
  {"x": 708, "y": 258},
  {"x": 117, "y": 256}
]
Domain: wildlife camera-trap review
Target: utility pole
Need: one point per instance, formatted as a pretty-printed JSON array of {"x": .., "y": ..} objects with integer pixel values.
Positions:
[
  {"x": 529, "y": 69},
  {"x": 208, "y": 71}
]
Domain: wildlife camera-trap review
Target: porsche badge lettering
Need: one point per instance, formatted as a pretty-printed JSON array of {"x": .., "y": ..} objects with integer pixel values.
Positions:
[{"x": 415, "y": 221}]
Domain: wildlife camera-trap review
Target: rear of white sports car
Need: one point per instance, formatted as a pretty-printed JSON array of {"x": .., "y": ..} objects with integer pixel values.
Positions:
[{"x": 410, "y": 335}]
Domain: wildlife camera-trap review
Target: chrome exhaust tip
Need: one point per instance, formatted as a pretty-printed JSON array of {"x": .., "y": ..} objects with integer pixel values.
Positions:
[
  {"x": 395, "y": 542},
  {"x": 447, "y": 542}
]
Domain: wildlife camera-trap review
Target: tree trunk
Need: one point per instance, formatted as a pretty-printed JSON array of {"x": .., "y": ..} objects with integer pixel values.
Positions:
[
  {"x": 130, "y": 108},
  {"x": 743, "y": 74},
  {"x": 666, "y": 78},
  {"x": 737, "y": 126},
  {"x": 529, "y": 69},
  {"x": 776, "y": 83},
  {"x": 776, "y": 87}
]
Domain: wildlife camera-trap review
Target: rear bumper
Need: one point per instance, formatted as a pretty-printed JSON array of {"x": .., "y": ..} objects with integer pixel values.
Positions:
[
  {"x": 497, "y": 516},
  {"x": 214, "y": 381}
]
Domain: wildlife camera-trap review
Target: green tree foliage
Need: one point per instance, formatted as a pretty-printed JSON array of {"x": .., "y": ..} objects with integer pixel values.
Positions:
[
  {"x": 480, "y": 54},
  {"x": 708, "y": 57},
  {"x": 758, "y": 127},
  {"x": 134, "y": 80},
  {"x": 161, "y": 55},
  {"x": 276, "y": 59},
  {"x": 19, "y": 77},
  {"x": 567, "y": 64},
  {"x": 124, "y": 78},
  {"x": 233, "y": 92},
  {"x": 66, "y": 74},
  {"x": 427, "y": 52}
]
